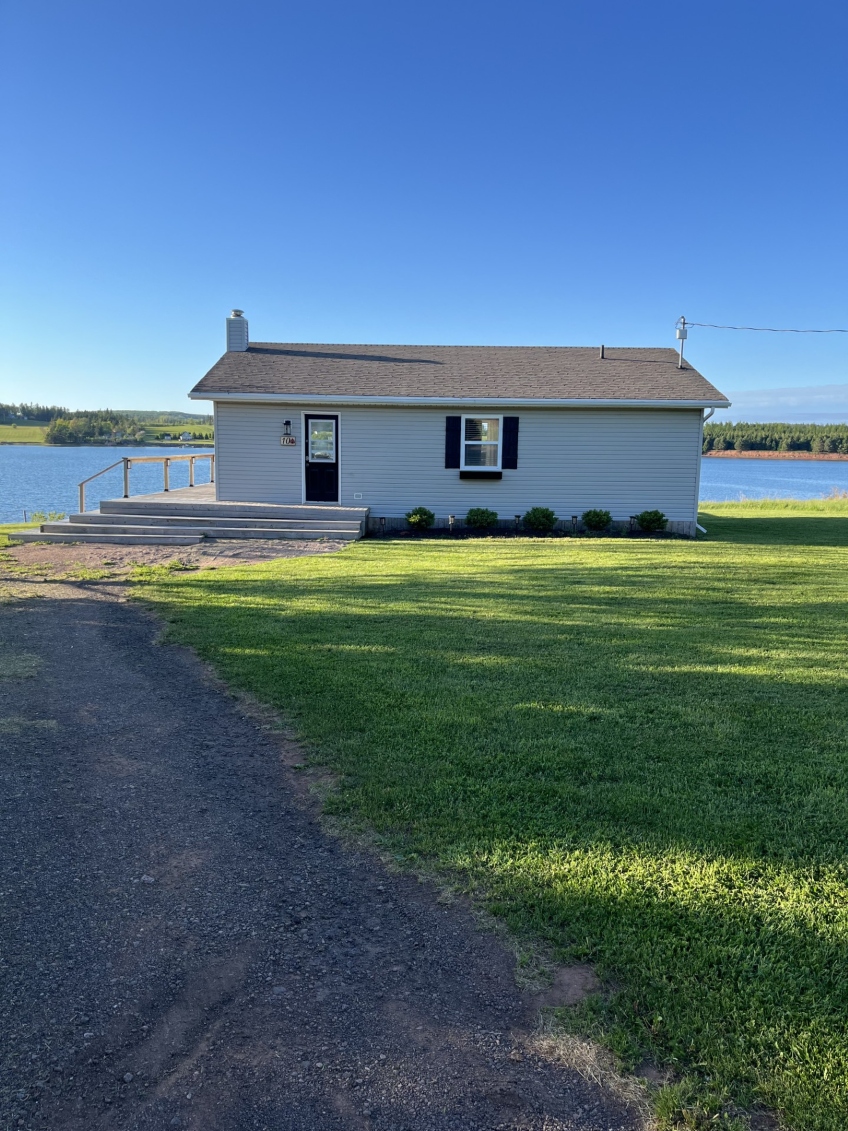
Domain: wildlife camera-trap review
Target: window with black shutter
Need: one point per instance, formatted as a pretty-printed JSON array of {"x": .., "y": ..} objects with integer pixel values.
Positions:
[
  {"x": 453, "y": 440},
  {"x": 509, "y": 449},
  {"x": 481, "y": 446}
]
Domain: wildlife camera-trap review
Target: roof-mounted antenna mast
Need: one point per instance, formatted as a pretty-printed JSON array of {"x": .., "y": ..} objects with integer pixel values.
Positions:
[{"x": 682, "y": 334}]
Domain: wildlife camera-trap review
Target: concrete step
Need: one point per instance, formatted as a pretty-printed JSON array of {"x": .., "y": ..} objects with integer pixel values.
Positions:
[
  {"x": 192, "y": 522},
  {"x": 194, "y": 533},
  {"x": 182, "y": 508},
  {"x": 116, "y": 539}
]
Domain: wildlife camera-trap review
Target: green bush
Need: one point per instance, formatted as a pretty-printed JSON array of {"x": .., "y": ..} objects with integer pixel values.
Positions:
[
  {"x": 481, "y": 518},
  {"x": 420, "y": 518},
  {"x": 541, "y": 519},
  {"x": 596, "y": 520},
  {"x": 651, "y": 521}
]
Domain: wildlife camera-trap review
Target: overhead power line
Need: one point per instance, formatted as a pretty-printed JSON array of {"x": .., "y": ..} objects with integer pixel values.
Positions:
[
  {"x": 763, "y": 329},
  {"x": 683, "y": 331}
]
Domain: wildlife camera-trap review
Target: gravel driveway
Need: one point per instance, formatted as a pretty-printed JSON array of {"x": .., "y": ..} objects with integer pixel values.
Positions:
[{"x": 184, "y": 946}]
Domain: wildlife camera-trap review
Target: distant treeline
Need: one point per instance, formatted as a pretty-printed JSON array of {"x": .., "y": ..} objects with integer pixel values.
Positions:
[
  {"x": 89, "y": 427},
  {"x": 30, "y": 413},
  {"x": 144, "y": 416},
  {"x": 741, "y": 437},
  {"x": 101, "y": 425}
]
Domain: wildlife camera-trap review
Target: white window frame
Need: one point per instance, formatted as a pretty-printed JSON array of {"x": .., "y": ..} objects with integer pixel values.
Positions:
[
  {"x": 333, "y": 419},
  {"x": 462, "y": 442}
]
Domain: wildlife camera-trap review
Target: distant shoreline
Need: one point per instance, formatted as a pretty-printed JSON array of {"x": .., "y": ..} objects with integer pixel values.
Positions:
[
  {"x": 104, "y": 447},
  {"x": 776, "y": 455}
]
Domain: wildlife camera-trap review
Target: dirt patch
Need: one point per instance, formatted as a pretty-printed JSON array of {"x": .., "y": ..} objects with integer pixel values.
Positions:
[
  {"x": 764, "y": 1121},
  {"x": 51, "y": 560},
  {"x": 647, "y": 1070},
  {"x": 570, "y": 986},
  {"x": 187, "y": 946}
]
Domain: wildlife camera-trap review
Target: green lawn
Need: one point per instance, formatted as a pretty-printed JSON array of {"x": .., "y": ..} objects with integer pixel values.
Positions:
[
  {"x": 22, "y": 433},
  {"x": 154, "y": 432},
  {"x": 632, "y": 750},
  {"x": 10, "y": 529}
]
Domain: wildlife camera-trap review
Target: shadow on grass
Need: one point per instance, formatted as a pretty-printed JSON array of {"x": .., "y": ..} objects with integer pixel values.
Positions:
[
  {"x": 789, "y": 530},
  {"x": 713, "y": 977},
  {"x": 687, "y": 709},
  {"x": 637, "y": 751}
]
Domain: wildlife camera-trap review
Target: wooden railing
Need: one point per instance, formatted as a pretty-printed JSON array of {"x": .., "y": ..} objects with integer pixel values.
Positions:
[{"x": 166, "y": 462}]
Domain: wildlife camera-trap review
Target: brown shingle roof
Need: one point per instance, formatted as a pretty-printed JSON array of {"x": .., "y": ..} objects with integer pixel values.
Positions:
[{"x": 511, "y": 373}]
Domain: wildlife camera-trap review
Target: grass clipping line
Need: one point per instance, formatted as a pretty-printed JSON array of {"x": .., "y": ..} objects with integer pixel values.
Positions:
[{"x": 635, "y": 751}]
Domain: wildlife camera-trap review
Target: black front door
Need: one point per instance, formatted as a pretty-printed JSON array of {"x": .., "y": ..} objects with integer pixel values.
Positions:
[{"x": 322, "y": 459}]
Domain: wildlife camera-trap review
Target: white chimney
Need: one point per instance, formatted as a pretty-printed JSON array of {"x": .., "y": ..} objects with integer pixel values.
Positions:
[{"x": 237, "y": 341}]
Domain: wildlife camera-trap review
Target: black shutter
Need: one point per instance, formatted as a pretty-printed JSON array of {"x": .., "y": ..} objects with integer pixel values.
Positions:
[
  {"x": 509, "y": 444},
  {"x": 453, "y": 438}
]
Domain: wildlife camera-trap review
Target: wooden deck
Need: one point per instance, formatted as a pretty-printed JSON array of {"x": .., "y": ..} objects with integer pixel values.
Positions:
[{"x": 202, "y": 493}]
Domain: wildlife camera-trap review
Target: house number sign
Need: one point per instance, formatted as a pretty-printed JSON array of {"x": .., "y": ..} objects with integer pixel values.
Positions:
[{"x": 288, "y": 441}]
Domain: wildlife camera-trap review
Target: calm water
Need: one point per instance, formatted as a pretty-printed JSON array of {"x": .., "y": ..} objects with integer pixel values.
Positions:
[
  {"x": 725, "y": 480},
  {"x": 45, "y": 478},
  {"x": 41, "y": 478}
]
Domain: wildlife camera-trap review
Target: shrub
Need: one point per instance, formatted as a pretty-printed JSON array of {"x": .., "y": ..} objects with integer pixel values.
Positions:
[
  {"x": 541, "y": 519},
  {"x": 420, "y": 518},
  {"x": 651, "y": 521},
  {"x": 596, "y": 520},
  {"x": 481, "y": 518}
]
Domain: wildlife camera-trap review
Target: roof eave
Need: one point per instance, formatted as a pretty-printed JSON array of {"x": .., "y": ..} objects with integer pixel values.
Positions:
[{"x": 513, "y": 402}]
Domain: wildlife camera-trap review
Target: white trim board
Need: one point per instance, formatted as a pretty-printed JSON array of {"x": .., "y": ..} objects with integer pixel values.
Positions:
[{"x": 501, "y": 403}]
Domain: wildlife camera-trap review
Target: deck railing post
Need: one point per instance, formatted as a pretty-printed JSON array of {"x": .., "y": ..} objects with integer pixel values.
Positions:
[{"x": 127, "y": 463}]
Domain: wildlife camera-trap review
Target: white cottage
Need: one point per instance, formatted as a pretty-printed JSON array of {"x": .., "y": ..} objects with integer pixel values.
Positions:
[{"x": 454, "y": 427}]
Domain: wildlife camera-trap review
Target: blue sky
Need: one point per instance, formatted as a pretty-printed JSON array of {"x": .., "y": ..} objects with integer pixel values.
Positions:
[{"x": 504, "y": 173}]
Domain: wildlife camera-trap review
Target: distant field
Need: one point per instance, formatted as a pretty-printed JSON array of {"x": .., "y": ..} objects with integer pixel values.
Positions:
[
  {"x": 34, "y": 434},
  {"x": 155, "y": 434},
  {"x": 22, "y": 433}
]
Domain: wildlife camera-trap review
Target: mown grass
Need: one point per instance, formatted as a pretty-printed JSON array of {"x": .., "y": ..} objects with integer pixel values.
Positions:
[
  {"x": 22, "y": 433},
  {"x": 632, "y": 750},
  {"x": 154, "y": 432},
  {"x": 9, "y": 529}
]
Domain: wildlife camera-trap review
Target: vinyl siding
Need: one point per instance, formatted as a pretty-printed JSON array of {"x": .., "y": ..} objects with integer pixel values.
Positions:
[
  {"x": 251, "y": 465},
  {"x": 622, "y": 460}
]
